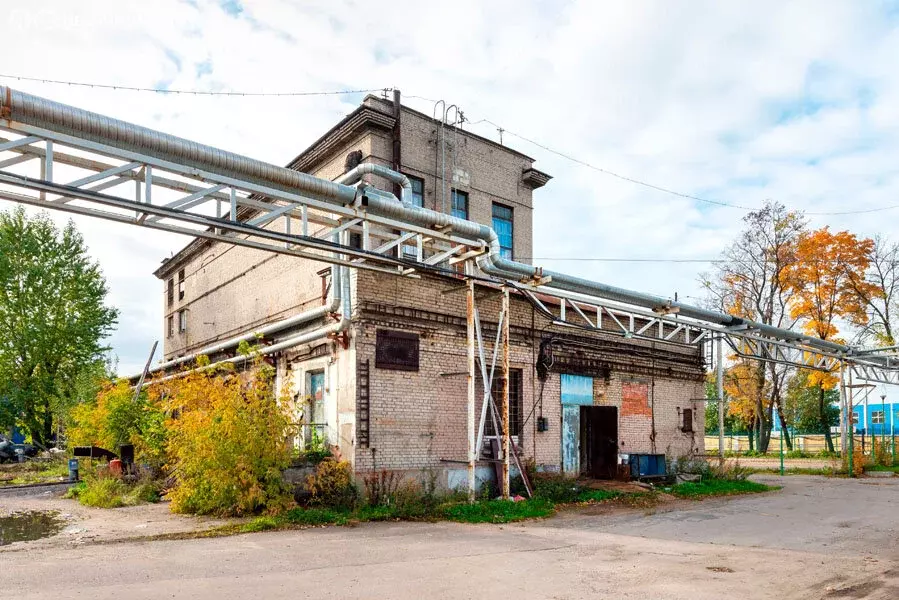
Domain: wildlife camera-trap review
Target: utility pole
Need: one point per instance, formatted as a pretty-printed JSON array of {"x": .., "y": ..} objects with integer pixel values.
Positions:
[
  {"x": 505, "y": 401},
  {"x": 719, "y": 368},
  {"x": 472, "y": 456}
]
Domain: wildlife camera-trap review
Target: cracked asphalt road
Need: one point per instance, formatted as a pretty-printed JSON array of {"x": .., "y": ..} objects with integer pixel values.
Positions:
[{"x": 816, "y": 538}]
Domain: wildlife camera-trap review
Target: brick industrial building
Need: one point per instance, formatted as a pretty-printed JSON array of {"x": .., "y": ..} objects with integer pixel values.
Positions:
[{"x": 389, "y": 387}]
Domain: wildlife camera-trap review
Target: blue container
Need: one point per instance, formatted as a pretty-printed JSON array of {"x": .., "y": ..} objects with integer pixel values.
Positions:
[
  {"x": 647, "y": 465},
  {"x": 73, "y": 469}
]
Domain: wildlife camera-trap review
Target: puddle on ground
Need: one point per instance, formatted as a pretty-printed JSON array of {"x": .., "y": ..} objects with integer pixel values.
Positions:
[{"x": 29, "y": 525}]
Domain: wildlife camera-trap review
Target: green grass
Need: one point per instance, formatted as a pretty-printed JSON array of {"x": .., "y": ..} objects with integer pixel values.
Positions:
[
  {"x": 497, "y": 511},
  {"x": 718, "y": 487},
  {"x": 894, "y": 469},
  {"x": 34, "y": 472},
  {"x": 598, "y": 495},
  {"x": 824, "y": 471},
  {"x": 111, "y": 492}
]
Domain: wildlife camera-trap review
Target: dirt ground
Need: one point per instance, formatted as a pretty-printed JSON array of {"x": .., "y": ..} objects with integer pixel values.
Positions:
[
  {"x": 816, "y": 538},
  {"x": 85, "y": 525}
]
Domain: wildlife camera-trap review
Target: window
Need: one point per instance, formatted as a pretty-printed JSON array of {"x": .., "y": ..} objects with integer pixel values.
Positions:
[
  {"x": 502, "y": 225},
  {"x": 418, "y": 191},
  {"x": 396, "y": 350},
  {"x": 170, "y": 291},
  {"x": 460, "y": 204},
  {"x": 182, "y": 321},
  {"x": 877, "y": 417},
  {"x": 515, "y": 401},
  {"x": 181, "y": 284},
  {"x": 170, "y": 328},
  {"x": 687, "y": 420}
]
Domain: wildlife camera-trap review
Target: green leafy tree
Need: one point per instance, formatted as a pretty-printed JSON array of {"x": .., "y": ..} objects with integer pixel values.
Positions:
[
  {"x": 53, "y": 319},
  {"x": 801, "y": 405}
]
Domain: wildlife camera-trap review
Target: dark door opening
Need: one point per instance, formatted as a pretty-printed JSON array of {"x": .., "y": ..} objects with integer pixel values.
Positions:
[{"x": 599, "y": 441}]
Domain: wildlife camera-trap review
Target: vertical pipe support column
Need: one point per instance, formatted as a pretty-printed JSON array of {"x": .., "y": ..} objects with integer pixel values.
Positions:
[
  {"x": 719, "y": 368},
  {"x": 471, "y": 400},
  {"x": 505, "y": 401}
]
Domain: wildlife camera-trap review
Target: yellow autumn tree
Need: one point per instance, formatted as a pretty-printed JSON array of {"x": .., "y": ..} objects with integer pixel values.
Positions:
[
  {"x": 741, "y": 386},
  {"x": 227, "y": 440},
  {"x": 828, "y": 283}
]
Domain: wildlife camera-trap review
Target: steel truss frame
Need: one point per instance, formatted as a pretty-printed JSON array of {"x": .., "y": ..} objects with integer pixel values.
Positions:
[
  {"x": 617, "y": 319},
  {"x": 142, "y": 190},
  {"x": 146, "y": 191}
]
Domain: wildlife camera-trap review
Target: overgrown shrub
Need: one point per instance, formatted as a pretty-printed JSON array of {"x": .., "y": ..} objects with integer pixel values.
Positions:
[
  {"x": 106, "y": 491},
  {"x": 227, "y": 442},
  {"x": 114, "y": 418},
  {"x": 729, "y": 471},
  {"x": 332, "y": 485},
  {"x": 380, "y": 486},
  {"x": 555, "y": 487}
]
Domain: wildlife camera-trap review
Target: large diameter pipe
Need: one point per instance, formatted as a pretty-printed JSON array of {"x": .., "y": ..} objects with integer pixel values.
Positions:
[
  {"x": 306, "y": 338},
  {"x": 359, "y": 171},
  {"x": 62, "y": 118},
  {"x": 42, "y": 113}
]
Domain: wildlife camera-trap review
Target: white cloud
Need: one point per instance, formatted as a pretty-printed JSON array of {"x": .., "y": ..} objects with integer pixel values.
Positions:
[{"x": 734, "y": 101}]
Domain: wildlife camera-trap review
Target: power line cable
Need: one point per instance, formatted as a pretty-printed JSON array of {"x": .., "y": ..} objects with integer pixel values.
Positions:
[
  {"x": 106, "y": 86},
  {"x": 664, "y": 189}
]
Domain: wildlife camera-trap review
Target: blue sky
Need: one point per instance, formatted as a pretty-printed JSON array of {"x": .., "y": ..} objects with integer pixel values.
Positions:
[{"x": 737, "y": 102}]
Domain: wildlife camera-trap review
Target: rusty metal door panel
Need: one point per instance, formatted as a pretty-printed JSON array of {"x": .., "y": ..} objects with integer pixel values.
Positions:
[
  {"x": 577, "y": 389},
  {"x": 571, "y": 443}
]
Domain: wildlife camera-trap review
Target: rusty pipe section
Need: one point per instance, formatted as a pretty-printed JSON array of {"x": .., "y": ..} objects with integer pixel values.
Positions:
[{"x": 62, "y": 118}]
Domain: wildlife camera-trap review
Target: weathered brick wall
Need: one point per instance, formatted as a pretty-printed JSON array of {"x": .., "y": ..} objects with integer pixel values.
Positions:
[
  {"x": 231, "y": 289},
  {"x": 418, "y": 419}
]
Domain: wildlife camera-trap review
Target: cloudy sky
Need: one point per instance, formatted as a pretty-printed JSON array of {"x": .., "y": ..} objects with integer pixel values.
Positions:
[{"x": 733, "y": 102}]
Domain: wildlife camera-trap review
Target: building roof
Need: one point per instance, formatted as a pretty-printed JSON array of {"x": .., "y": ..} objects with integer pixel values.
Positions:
[{"x": 373, "y": 112}]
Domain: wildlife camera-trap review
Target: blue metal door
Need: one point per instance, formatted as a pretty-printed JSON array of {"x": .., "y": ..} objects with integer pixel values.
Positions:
[{"x": 577, "y": 391}]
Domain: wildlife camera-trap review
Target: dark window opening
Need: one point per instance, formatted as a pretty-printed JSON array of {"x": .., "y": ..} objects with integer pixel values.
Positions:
[
  {"x": 417, "y": 197},
  {"x": 170, "y": 329},
  {"x": 460, "y": 204},
  {"x": 170, "y": 291},
  {"x": 397, "y": 350},
  {"x": 503, "y": 226},
  {"x": 516, "y": 401},
  {"x": 182, "y": 321},
  {"x": 181, "y": 284},
  {"x": 687, "y": 420}
]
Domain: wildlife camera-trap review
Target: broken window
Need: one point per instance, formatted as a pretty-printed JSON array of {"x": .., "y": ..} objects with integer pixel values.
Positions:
[
  {"x": 182, "y": 321},
  {"x": 181, "y": 284},
  {"x": 170, "y": 291},
  {"x": 171, "y": 326},
  {"x": 515, "y": 401},
  {"x": 397, "y": 350}
]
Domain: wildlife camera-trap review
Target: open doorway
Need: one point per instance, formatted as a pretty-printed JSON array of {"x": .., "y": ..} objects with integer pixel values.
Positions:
[{"x": 599, "y": 441}]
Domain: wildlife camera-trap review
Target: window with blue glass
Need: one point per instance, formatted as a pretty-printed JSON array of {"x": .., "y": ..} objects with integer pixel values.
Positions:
[
  {"x": 417, "y": 197},
  {"x": 502, "y": 225},
  {"x": 460, "y": 204}
]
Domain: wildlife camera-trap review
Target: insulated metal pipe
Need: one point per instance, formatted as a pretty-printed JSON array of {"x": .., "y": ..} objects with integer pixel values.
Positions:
[
  {"x": 362, "y": 169},
  {"x": 60, "y": 118}
]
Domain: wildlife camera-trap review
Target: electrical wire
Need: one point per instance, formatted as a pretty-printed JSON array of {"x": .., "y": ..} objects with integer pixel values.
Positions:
[
  {"x": 533, "y": 142},
  {"x": 664, "y": 189},
  {"x": 106, "y": 86}
]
